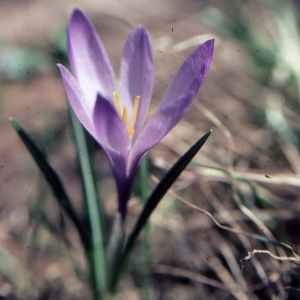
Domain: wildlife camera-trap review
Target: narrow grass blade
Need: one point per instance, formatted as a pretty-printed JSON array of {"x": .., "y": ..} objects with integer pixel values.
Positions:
[
  {"x": 153, "y": 201},
  {"x": 148, "y": 292},
  {"x": 54, "y": 181},
  {"x": 115, "y": 246},
  {"x": 94, "y": 215}
]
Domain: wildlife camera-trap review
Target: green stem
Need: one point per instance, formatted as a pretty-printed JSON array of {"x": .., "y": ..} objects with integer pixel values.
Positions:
[
  {"x": 97, "y": 253},
  {"x": 144, "y": 187}
]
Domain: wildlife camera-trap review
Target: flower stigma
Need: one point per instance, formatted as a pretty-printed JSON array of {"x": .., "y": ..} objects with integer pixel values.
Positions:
[{"x": 124, "y": 114}]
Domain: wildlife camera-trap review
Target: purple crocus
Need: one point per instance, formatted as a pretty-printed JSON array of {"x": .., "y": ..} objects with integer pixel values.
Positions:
[{"x": 116, "y": 120}]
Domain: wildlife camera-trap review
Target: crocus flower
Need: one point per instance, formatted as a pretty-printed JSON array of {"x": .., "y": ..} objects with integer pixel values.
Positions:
[{"x": 116, "y": 120}]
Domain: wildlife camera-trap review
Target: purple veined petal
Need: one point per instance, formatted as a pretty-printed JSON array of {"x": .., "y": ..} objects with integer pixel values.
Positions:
[
  {"x": 88, "y": 59},
  {"x": 163, "y": 120},
  {"x": 113, "y": 137},
  {"x": 137, "y": 75},
  {"x": 111, "y": 132},
  {"x": 195, "y": 66},
  {"x": 77, "y": 100},
  {"x": 124, "y": 186}
]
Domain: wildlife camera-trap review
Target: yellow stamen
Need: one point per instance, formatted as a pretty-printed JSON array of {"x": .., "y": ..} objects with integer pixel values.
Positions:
[
  {"x": 117, "y": 102},
  {"x": 134, "y": 116},
  {"x": 124, "y": 114}
]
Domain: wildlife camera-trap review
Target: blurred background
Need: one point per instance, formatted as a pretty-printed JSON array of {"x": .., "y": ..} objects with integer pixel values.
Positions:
[{"x": 246, "y": 176}]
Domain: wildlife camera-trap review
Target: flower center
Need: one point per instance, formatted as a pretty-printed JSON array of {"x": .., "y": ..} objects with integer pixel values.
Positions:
[{"x": 124, "y": 113}]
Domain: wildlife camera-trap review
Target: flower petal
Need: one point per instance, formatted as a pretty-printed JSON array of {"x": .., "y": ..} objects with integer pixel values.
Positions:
[
  {"x": 136, "y": 74},
  {"x": 77, "y": 100},
  {"x": 176, "y": 102},
  {"x": 111, "y": 132},
  {"x": 89, "y": 61},
  {"x": 124, "y": 186},
  {"x": 113, "y": 137},
  {"x": 195, "y": 66},
  {"x": 164, "y": 119}
]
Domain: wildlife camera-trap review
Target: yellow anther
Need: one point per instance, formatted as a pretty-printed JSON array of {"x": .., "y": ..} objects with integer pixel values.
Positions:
[
  {"x": 135, "y": 110},
  {"x": 117, "y": 102},
  {"x": 130, "y": 131},
  {"x": 124, "y": 114}
]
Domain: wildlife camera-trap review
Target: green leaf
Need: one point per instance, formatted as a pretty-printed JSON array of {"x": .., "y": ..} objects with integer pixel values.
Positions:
[
  {"x": 95, "y": 217},
  {"x": 55, "y": 183},
  {"x": 153, "y": 201},
  {"x": 148, "y": 291},
  {"x": 115, "y": 246}
]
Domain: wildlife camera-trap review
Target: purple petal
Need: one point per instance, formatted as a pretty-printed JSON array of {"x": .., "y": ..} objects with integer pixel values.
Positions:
[
  {"x": 176, "y": 102},
  {"x": 195, "y": 66},
  {"x": 77, "y": 100},
  {"x": 124, "y": 186},
  {"x": 113, "y": 137},
  {"x": 111, "y": 132},
  {"x": 136, "y": 74},
  {"x": 164, "y": 119},
  {"x": 89, "y": 61}
]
